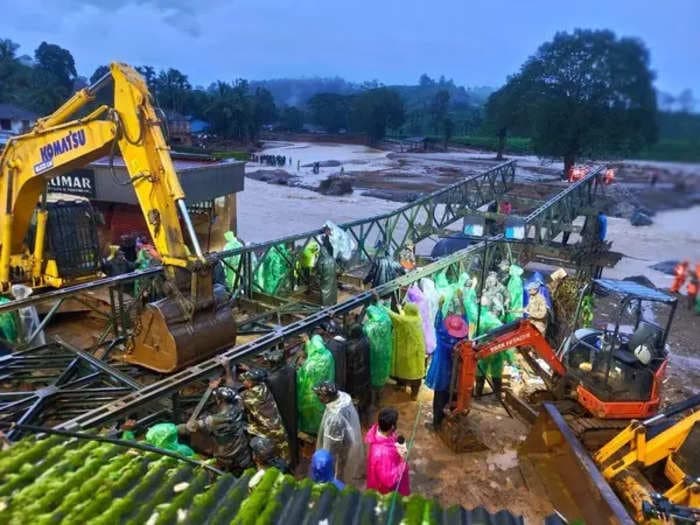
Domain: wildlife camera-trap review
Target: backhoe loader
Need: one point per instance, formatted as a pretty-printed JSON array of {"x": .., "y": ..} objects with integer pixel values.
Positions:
[{"x": 167, "y": 337}]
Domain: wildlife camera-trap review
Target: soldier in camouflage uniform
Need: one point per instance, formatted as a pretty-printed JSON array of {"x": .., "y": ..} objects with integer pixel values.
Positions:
[
  {"x": 264, "y": 418},
  {"x": 227, "y": 428}
]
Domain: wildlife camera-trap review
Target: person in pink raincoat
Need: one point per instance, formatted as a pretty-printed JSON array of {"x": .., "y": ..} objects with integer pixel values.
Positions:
[{"x": 387, "y": 469}]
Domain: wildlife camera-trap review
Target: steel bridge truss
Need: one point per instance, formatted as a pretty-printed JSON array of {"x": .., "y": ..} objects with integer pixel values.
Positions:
[
  {"x": 415, "y": 221},
  {"x": 52, "y": 383}
]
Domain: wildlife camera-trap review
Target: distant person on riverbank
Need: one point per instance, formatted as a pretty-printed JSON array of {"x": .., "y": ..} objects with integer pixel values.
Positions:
[
  {"x": 680, "y": 275},
  {"x": 693, "y": 282}
]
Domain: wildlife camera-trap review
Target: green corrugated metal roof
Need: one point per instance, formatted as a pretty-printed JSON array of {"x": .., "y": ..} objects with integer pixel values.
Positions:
[{"x": 57, "y": 480}]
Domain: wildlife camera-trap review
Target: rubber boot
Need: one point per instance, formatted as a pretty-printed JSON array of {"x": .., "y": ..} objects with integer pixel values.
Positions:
[
  {"x": 497, "y": 384},
  {"x": 479, "y": 388}
]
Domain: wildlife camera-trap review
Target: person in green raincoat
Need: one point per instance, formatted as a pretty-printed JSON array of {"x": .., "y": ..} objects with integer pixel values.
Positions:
[
  {"x": 146, "y": 256},
  {"x": 307, "y": 260},
  {"x": 318, "y": 366},
  {"x": 377, "y": 327},
  {"x": 231, "y": 262},
  {"x": 492, "y": 365},
  {"x": 515, "y": 294},
  {"x": 274, "y": 271},
  {"x": 408, "y": 363},
  {"x": 8, "y": 323}
]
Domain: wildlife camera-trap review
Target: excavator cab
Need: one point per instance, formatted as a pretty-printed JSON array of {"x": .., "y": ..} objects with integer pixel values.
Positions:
[{"x": 617, "y": 351}]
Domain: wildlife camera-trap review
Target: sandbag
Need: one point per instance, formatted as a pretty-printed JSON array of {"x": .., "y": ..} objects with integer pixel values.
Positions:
[
  {"x": 358, "y": 383},
  {"x": 283, "y": 386},
  {"x": 378, "y": 329},
  {"x": 317, "y": 367},
  {"x": 338, "y": 348}
]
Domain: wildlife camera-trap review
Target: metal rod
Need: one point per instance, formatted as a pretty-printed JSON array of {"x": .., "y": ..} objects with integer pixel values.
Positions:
[
  {"x": 45, "y": 321},
  {"x": 189, "y": 227}
]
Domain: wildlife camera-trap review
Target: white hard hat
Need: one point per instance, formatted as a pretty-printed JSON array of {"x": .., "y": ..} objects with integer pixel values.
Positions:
[{"x": 643, "y": 354}]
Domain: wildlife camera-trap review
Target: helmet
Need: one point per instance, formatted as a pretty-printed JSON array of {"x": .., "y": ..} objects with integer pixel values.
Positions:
[
  {"x": 262, "y": 447},
  {"x": 327, "y": 389},
  {"x": 254, "y": 375},
  {"x": 643, "y": 354},
  {"x": 225, "y": 393}
]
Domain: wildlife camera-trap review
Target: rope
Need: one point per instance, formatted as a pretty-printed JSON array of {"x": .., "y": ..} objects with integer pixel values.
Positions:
[{"x": 395, "y": 494}]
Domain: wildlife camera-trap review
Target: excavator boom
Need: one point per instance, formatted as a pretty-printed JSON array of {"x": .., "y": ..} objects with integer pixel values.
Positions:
[
  {"x": 514, "y": 335},
  {"x": 57, "y": 145}
]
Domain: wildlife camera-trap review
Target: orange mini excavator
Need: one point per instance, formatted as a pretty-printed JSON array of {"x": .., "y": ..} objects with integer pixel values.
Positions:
[{"x": 615, "y": 371}]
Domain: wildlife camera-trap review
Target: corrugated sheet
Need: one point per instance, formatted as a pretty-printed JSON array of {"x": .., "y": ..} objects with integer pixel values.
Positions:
[{"x": 67, "y": 481}]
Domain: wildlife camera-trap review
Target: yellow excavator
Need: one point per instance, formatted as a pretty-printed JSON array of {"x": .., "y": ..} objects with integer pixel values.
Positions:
[{"x": 167, "y": 338}]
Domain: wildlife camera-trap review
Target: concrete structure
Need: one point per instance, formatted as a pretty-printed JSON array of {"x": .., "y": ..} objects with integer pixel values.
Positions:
[
  {"x": 210, "y": 188},
  {"x": 16, "y": 119}
]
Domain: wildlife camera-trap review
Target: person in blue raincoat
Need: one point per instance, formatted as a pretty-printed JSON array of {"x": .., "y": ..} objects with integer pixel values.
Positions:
[
  {"x": 448, "y": 332},
  {"x": 323, "y": 469}
]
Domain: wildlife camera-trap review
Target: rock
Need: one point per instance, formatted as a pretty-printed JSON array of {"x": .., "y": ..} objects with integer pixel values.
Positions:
[
  {"x": 335, "y": 186},
  {"x": 640, "y": 279},
  {"x": 666, "y": 267},
  {"x": 323, "y": 164},
  {"x": 640, "y": 218}
]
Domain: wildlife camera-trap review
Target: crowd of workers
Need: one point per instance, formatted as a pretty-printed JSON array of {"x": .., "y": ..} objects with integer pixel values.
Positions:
[
  {"x": 271, "y": 160},
  {"x": 407, "y": 341}
]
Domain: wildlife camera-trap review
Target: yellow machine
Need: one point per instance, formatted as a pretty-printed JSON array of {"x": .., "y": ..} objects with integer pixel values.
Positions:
[
  {"x": 654, "y": 465},
  {"x": 167, "y": 336}
]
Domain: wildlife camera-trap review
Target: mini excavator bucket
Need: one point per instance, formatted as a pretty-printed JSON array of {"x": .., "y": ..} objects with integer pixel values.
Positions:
[
  {"x": 167, "y": 340},
  {"x": 555, "y": 465}
]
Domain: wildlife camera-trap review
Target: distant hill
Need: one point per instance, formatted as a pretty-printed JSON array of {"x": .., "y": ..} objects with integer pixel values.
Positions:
[{"x": 297, "y": 91}]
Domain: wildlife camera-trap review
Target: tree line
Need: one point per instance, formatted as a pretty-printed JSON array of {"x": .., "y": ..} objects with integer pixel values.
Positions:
[{"x": 238, "y": 109}]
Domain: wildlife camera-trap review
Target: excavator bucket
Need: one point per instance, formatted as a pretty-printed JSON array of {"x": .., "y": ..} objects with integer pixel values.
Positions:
[
  {"x": 555, "y": 465},
  {"x": 166, "y": 341}
]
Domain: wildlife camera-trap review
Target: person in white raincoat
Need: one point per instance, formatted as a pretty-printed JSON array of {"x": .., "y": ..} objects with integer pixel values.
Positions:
[{"x": 340, "y": 432}]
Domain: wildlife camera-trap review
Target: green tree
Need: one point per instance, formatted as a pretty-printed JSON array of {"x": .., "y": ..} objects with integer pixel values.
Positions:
[
  {"x": 172, "y": 89},
  {"x": 149, "y": 74},
  {"x": 264, "y": 111},
  {"x": 99, "y": 73},
  {"x": 376, "y": 110},
  {"x": 585, "y": 94},
  {"x": 448, "y": 129},
  {"x": 330, "y": 111},
  {"x": 230, "y": 110},
  {"x": 58, "y": 62},
  {"x": 292, "y": 118},
  {"x": 106, "y": 95},
  {"x": 10, "y": 70},
  {"x": 505, "y": 111},
  {"x": 438, "y": 108}
]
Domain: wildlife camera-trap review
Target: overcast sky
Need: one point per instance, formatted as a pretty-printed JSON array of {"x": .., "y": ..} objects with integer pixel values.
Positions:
[{"x": 475, "y": 42}]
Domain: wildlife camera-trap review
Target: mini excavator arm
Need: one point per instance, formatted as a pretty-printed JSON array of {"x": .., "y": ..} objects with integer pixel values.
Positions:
[
  {"x": 469, "y": 352},
  {"x": 57, "y": 145}
]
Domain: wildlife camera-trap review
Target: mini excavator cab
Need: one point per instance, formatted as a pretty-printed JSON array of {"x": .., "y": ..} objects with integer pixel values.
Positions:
[{"x": 619, "y": 366}]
